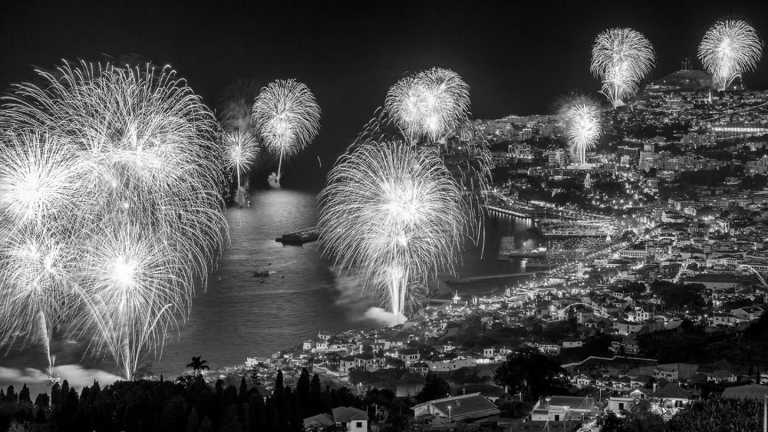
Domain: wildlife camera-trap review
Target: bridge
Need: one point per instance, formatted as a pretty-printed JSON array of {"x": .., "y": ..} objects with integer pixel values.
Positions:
[{"x": 504, "y": 212}]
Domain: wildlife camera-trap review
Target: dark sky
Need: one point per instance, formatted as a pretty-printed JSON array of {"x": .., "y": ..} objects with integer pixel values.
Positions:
[{"x": 517, "y": 56}]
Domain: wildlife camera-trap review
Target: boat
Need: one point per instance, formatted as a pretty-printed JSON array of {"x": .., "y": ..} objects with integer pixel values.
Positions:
[
  {"x": 262, "y": 273},
  {"x": 298, "y": 238}
]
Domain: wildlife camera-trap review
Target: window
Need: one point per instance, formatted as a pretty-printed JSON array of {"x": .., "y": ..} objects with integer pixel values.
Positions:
[{"x": 359, "y": 425}]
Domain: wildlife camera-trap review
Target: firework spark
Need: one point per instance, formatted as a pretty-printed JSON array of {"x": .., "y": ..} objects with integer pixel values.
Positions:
[
  {"x": 621, "y": 58},
  {"x": 582, "y": 126},
  {"x": 287, "y": 117},
  {"x": 129, "y": 160},
  {"x": 728, "y": 49},
  {"x": 392, "y": 213},
  {"x": 430, "y": 103}
]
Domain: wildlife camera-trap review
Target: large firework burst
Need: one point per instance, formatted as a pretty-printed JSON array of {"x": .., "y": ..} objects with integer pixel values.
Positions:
[
  {"x": 124, "y": 149},
  {"x": 621, "y": 58},
  {"x": 583, "y": 127},
  {"x": 287, "y": 117},
  {"x": 392, "y": 213},
  {"x": 429, "y": 104},
  {"x": 728, "y": 49}
]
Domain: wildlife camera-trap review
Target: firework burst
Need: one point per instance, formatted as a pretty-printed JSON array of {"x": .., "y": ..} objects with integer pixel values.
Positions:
[
  {"x": 429, "y": 104},
  {"x": 392, "y": 213},
  {"x": 240, "y": 151},
  {"x": 287, "y": 117},
  {"x": 583, "y": 127},
  {"x": 728, "y": 49},
  {"x": 128, "y": 180},
  {"x": 621, "y": 58}
]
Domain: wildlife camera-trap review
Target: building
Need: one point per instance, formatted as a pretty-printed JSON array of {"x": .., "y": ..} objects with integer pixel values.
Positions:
[
  {"x": 748, "y": 313},
  {"x": 670, "y": 398},
  {"x": 318, "y": 423},
  {"x": 749, "y": 391},
  {"x": 619, "y": 405},
  {"x": 468, "y": 408},
  {"x": 557, "y": 158},
  {"x": 562, "y": 408},
  {"x": 350, "y": 419}
]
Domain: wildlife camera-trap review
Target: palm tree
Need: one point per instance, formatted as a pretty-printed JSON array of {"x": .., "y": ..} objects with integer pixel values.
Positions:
[{"x": 198, "y": 365}]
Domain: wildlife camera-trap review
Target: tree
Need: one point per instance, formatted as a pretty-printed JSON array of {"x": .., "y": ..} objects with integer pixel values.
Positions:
[
  {"x": 434, "y": 388},
  {"x": 193, "y": 421},
  {"x": 530, "y": 372},
  {"x": 279, "y": 386},
  {"x": 198, "y": 365},
  {"x": 42, "y": 401},
  {"x": 24, "y": 395}
]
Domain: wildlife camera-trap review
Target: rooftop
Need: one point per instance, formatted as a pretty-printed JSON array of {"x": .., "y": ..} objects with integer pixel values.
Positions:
[{"x": 464, "y": 407}]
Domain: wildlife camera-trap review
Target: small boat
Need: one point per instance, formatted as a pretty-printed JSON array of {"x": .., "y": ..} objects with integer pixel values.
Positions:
[
  {"x": 299, "y": 238},
  {"x": 261, "y": 273}
]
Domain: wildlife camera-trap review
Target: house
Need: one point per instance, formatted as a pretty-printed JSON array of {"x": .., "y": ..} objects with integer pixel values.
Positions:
[
  {"x": 450, "y": 365},
  {"x": 749, "y": 391},
  {"x": 669, "y": 398},
  {"x": 721, "y": 376},
  {"x": 721, "y": 319},
  {"x": 318, "y": 423},
  {"x": 638, "y": 315},
  {"x": 618, "y": 405},
  {"x": 561, "y": 408},
  {"x": 627, "y": 345},
  {"x": 350, "y": 419},
  {"x": 419, "y": 368},
  {"x": 468, "y": 408},
  {"x": 675, "y": 371},
  {"x": 748, "y": 313},
  {"x": 572, "y": 344},
  {"x": 625, "y": 328},
  {"x": 409, "y": 355}
]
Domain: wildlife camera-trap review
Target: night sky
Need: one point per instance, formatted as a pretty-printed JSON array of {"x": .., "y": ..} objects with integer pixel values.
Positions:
[{"x": 518, "y": 57}]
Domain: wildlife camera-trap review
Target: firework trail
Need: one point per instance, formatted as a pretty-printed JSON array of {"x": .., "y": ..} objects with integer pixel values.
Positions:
[
  {"x": 621, "y": 58},
  {"x": 582, "y": 126},
  {"x": 287, "y": 118},
  {"x": 137, "y": 191},
  {"x": 728, "y": 49},
  {"x": 428, "y": 104},
  {"x": 240, "y": 151},
  {"x": 392, "y": 213}
]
